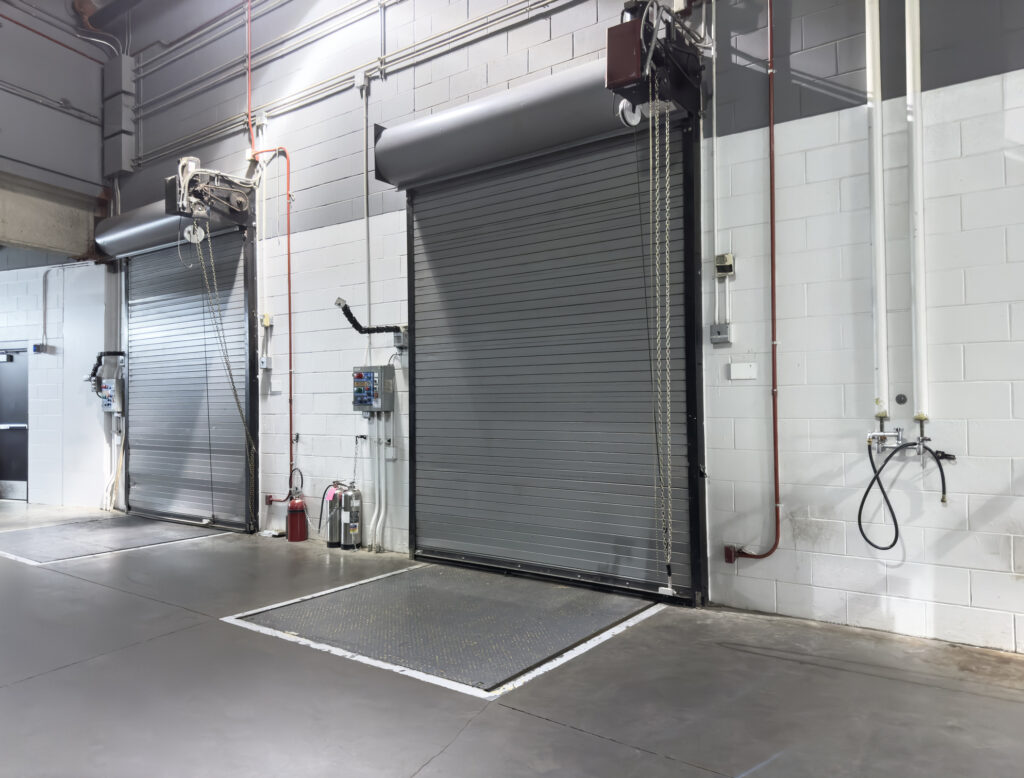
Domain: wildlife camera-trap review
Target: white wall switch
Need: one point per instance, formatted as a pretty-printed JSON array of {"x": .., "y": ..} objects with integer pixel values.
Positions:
[{"x": 742, "y": 371}]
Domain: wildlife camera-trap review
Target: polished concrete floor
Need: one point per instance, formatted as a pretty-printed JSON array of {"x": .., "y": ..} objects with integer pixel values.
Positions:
[{"x": 119, "y": 665}]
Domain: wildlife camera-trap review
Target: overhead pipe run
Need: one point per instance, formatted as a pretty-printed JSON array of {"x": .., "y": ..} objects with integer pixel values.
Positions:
[
  {"x": 263, "y": 55},
  {"x": 417, "y": 53}
]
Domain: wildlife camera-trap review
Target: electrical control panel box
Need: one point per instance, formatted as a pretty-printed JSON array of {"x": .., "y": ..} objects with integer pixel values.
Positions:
[
  {"x": 373, "y": 388},
  {"x": 112, "y": 395}
]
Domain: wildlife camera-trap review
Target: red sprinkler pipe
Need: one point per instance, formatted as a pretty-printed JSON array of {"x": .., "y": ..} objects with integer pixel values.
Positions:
[{"x": 775, "y": 344}]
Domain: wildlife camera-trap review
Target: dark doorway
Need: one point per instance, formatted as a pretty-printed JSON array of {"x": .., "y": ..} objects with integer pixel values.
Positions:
[{"x": 13, "y": 425}]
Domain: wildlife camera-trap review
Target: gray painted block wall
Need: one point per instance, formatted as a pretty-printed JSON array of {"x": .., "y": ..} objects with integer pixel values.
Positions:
[
  {"x": 819, "y": 46},
  {"x": 819, "y": 50},
  {"x": 38, "y": 140}
]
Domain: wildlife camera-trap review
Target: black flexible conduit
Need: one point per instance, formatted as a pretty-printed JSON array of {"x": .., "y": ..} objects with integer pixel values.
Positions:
[
  {"x": 938, "y": 456},
  {"x": 359, "y": 327},
  {"x": 99, "y": 361}
]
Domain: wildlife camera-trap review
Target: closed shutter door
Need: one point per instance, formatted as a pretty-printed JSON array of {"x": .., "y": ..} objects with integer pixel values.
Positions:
[
  {"x": 533, "y": 397},
  {"x": 186, "y": 441}
]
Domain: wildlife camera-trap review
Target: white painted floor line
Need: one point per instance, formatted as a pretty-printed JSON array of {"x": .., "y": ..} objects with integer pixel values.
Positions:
[
  {"x": 436, "y": 680},
  {"x": 320, "y": 594},
  {"x": 51, "y": 524},
  {"x": 21, "y": 559},
  {"x": 135, "y": 548},
  {"x": 238, "y": 621},
  {"x": 582, "y": 648}
]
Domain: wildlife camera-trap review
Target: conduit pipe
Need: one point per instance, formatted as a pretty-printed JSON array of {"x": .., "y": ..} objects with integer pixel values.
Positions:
[
  {"x": 915, "y": 130},
  {"x": 373, "y": 440},
  {"x": 382, "y": 452},
  {"x": 264, "y": 55},
  {"x": 414, "y": 54},
  {"x": 732, "y": 552},
  {"x": 365, "y": 94},
  {"x": 172, "y": 51},
  {"x": 50, "y": 39},
  {"x": 880, "y": 310},
  {"x": 281, "y": 151}
]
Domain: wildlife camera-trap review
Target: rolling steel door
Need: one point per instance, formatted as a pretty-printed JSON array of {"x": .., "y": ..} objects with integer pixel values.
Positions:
[
  {"x": 186, "y": 449},
  {"x": 533, "y": 397}
]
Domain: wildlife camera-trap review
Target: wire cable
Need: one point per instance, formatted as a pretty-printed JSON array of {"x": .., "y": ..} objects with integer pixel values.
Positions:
[
  {"x": 323, "y": 497},
  {"x": 213, "y": 302}
]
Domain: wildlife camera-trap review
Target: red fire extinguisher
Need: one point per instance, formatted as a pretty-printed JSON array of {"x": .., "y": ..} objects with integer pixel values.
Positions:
[{"x": 296, "y": 527}]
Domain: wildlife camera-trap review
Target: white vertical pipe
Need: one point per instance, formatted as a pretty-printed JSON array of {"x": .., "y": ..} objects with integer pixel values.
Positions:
[
  {"x": 383, "y": 488},
  {"x": 915, "y": 127},
  {"x": 372, "y": 442},
  {"x": 714, "y": 150},
  {"x": 365, "y": 90},
  {"x": 878, "y": 279}
]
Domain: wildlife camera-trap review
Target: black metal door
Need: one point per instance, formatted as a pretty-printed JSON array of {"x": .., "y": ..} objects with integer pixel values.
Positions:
[{"x": 13, "y": 425}]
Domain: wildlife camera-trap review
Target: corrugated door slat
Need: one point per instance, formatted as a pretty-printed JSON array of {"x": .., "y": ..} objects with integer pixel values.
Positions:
[
  {"x": 186, "y": 442},
  {"x": 533, "y": 388}
]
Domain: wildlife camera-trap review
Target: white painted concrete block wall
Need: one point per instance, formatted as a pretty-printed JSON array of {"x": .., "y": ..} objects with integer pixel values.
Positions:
[
  {"x": 328, "y": 263},
  {"x": 66, "y": 434},
  {"x": 956, "y": 573}
]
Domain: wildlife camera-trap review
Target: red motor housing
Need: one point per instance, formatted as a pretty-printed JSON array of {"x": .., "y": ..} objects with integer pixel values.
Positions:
[{"x": 297, "y": 530}]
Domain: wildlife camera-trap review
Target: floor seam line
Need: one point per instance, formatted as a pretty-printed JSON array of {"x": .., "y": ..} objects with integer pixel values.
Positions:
[
  {"x": 103, "y": 653},
  {"x": 610, "y": 739},
  {"x": 448, "y": 745},
  {"x": 130, "y": 593}
]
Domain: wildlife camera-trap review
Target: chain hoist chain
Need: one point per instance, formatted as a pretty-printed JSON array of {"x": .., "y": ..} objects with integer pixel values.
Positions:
[
  {"x": 660, "y": 147},
  {"x": 213, "y": 303},
  {"x": 659, "y": 421},
  {"x": 667, "y": 259}
]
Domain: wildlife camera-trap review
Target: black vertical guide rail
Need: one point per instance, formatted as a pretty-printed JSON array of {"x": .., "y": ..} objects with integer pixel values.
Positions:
[
  {"x": 410, "y": 259},
  {"x": 252, "y": 373},
  {"x": 126, "y": 399},
  {"x": 693, "y": 355}
]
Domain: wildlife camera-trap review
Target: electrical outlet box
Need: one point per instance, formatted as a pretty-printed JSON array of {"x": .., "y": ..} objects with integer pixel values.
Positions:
[
  {"x": 721, "y": 333},
  {"x": 725, "y": 265},
  {"x": 266, "y": 363},
  {"x": 373, "y": 389},
  {"x": 742, "y": 371}
]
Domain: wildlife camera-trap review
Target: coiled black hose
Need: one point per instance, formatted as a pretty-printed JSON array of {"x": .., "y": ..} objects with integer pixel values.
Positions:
[{"x": 938, "y": 456}]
